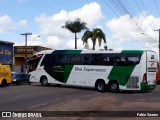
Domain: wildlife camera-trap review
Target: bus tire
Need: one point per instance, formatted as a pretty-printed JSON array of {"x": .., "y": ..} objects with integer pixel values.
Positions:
[
  {"x": 113, "y": 86},
  {"x": 57, "y": 85},
  {"x": 4, "y": 83},
  {"x": 44, "y": 81},
  {"x": 100, "y": 86}
]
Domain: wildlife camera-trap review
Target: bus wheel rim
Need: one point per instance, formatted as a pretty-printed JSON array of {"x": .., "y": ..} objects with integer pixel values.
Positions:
[
  {"x": 45, "y": 82},
  {"x": 100, "y": 86},
  {"x": 113, "y": 87}
]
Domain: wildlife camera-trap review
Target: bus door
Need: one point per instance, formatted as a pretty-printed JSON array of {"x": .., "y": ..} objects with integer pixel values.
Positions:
[{"x": 151, "y": 68}]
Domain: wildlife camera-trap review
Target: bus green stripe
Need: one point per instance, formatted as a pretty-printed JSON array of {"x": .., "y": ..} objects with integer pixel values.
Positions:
[
  {"x": 68, "y": 68},
  {"x": 61, "y": 72},
  {"x": 122, "y": 73},
  {"x": 67, "y": 72},
  {"x": 67, "y": 52},
  {"x": 133, "y": 51}
]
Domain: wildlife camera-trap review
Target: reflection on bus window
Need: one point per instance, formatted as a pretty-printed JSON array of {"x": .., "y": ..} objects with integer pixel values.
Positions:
[{"x": 33, "y": 63}]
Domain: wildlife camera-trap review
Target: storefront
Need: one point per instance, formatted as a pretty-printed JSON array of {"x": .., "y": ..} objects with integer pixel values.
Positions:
[
  {"x": 21, "y": 53},
  {"x": 6, "y": 52}
]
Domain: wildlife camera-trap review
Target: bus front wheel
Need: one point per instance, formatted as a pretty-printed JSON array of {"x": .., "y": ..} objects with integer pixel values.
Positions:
[
  {"x": 44, "y": 81},
  {"x": 100, "y": 86},
  {"x": 114, "y": 86}
]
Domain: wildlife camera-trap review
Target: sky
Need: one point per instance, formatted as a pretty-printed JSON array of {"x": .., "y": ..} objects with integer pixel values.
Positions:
[{"x": 127, "y": 24}]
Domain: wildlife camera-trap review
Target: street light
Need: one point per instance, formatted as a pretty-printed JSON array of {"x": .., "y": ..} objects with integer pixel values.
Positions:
[
  {"x": 26, "y": 35},
  {"x": 35, "y": 39}
]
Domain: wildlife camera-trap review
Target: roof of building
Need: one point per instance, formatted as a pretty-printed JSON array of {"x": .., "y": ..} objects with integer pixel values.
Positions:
[{"x": 6, "y": 42}]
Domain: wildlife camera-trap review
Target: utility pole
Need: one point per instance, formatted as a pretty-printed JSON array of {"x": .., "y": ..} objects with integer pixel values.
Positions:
[
  {"x": 26, "y": 35},
  {"x": 159, "y": 42}
]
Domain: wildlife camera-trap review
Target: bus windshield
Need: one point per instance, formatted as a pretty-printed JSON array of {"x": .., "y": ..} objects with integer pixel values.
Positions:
[{"x": 33, "y": 62}]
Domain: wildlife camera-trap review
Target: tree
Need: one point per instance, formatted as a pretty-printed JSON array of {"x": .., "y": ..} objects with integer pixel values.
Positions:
[
  {"x": 75, "y": 26},
  {"x": 96, "y": 34}
]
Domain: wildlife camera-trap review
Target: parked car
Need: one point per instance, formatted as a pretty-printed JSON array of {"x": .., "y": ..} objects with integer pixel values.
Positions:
[{"x": 19, "y": 78}]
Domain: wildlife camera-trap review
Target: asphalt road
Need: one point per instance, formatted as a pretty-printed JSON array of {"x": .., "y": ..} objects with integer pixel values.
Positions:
[
  {"x": 38, "y": 98},
  {"x": 27, "y": 97}
]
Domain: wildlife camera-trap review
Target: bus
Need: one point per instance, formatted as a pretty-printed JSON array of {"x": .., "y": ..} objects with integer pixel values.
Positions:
[{"x": 133, "y": 70}]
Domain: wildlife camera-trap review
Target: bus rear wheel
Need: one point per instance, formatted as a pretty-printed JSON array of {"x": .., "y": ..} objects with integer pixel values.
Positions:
[
  {"x": 44, "y": 81},
  {"x": 114, "y": 86},
  {"x": 100, "y": 86}
]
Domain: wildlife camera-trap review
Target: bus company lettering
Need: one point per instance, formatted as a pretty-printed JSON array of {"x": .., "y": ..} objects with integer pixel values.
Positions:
[
  {"x": 89, "y": 69},
  {"x": 58, "y": 69}
]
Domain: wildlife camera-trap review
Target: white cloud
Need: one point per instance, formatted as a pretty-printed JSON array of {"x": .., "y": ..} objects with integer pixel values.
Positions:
[
  {"x": 54, "y": 41},
  {"x": 22, "y": 23},
  {"x": 90, "y": 13},
  {"x": 62, "y": 38},
  {"x": 7, "y": 24},
  {"x": 126, "y": 32}
]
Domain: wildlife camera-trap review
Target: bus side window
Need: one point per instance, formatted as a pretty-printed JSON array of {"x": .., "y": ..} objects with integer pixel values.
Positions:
[
  {"x": 69, "y": 59},
  {"x": 56, "y": 59},
  {"x": 96, "y": 58},
  {"x": 63, "y": 59},
  {"x": 119, "y": 60},
  {"x": 106, "y": 59},
  {"x": 86, "y": 59},
  {"x": 133, "y": 60},
  {"x": 74, "y": 59}
]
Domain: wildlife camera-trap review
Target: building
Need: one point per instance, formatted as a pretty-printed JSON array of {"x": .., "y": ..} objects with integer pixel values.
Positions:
[
  {"x": 6, "y": 52},
  {"x": 21, "y": 53}
]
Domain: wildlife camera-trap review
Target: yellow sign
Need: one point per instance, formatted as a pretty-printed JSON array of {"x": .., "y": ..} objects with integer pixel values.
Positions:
[{"x": 23, "y": 49}]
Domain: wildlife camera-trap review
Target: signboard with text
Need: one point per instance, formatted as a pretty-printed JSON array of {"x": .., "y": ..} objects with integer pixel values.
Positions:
[
  {"x": 6, "y": 54},
  {"x": 23, "y": 49}
]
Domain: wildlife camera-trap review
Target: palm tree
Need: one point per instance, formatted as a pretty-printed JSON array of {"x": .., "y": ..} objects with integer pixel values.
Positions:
[
  {"x": 75, "y": 26},
  {"x": 96, "y": 34}
]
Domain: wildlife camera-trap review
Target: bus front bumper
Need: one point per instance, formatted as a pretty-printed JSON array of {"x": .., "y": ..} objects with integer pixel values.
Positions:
[{"x": 146, "y": 86}]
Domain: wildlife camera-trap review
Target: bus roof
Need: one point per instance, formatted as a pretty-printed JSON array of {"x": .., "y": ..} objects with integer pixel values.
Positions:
[
  {"x": 44, "y": 52},
  {"x": 72, "y": 51}
]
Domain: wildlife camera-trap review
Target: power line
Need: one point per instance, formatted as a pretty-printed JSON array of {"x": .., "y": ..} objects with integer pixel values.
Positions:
[
  {"x": 129, "y": 8},
  {"x": 151, "y": 24},
  {"x": 157, "y": 7},
  {"x": 121, "y": 8}
]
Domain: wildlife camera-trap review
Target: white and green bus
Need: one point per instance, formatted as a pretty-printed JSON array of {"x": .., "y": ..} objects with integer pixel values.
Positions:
[{"x": 133, "y": 70}]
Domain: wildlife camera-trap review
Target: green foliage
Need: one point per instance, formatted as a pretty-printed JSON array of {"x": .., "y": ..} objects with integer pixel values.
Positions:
[
  {"x": 96, "y": 34},
  {"x": 75, "y": 26}
]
